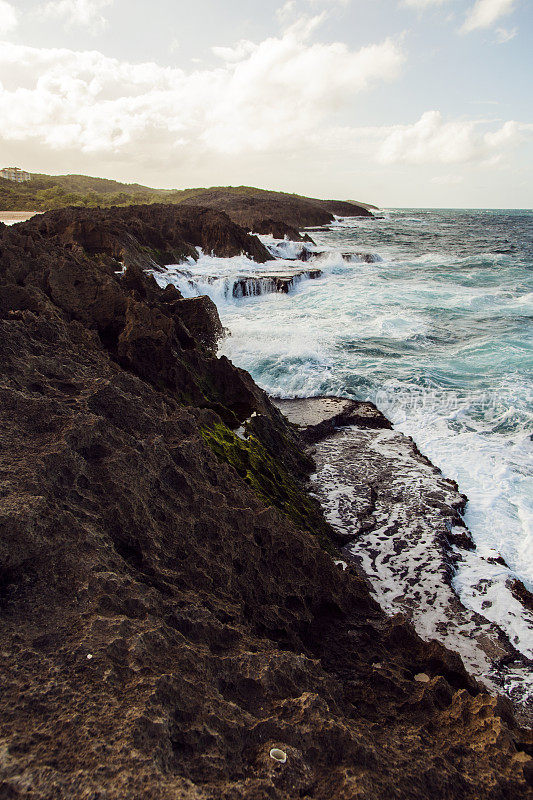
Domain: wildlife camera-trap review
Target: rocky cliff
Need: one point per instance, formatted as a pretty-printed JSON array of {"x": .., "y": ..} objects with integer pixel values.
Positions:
[
  {"x": 274, "y": 212},
  {"x": 134, "y": 234},
  {"x": 246, "y": 205},
  {"x": 171, "y": 609}
]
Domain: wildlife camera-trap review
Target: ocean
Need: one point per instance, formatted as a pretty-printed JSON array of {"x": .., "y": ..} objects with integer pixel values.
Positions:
[{"x": 426, "y": 313}]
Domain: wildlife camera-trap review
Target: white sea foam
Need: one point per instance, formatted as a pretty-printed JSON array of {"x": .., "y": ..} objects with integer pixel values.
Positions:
[
  {"x": 435, "y": 335},
  {"x": 285, "y": 248},
  {"x": 226, "y": 280},
  {"x": 400, "y": 547},
  {"x": 498, "y": 480}
]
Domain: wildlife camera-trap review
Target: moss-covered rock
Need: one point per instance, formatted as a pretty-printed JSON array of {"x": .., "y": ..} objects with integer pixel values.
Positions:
[{"x": 268, "y": 477}]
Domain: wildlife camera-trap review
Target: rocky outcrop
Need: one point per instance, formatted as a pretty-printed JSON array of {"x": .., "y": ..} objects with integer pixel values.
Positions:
[
  {"x": 164, "y": 234},
  {"x": 142, "y": 327},
  {"x": 400, "y": 521},
  {"x": 277, "y": 229},
  {"x": 346, "y": 208},
  {"x": 170, "y": 607},
  {"x": 280, "y": 230},
  {"x": 246, "y": 284},
  {"x": 271, "y": 282},
  {"x": 251, "y": 207},
  {"x": 316, "y": 417}
]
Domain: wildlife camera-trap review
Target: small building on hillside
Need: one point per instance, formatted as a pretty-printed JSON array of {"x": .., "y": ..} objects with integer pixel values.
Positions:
[{"x": 15, "y": 174}]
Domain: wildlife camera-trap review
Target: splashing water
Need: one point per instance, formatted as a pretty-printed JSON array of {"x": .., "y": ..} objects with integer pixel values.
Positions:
[{"x": 430, "y": 318}]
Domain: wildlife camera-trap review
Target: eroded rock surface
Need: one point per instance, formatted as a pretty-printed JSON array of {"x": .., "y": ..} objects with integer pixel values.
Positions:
[
  {"x": 401, "y": 520},
  {"x": 169, "y": 608},
  {"x": 315, "y": 417},
  {"x": 166, "y": 234},
  {"x": 280, "y": 230},
  {"x": 265, "y": 212}
]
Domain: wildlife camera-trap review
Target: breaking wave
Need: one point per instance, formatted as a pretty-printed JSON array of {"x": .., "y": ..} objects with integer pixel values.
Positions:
[{"x": 428, "y": 314}]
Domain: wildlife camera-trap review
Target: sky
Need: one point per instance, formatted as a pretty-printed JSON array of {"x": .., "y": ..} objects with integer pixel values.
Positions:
[{"x": 393, "y": 102}]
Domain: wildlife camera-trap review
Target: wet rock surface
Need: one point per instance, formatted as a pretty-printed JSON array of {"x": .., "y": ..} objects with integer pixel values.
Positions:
[
  {"x": 401, "y": 521},
  {"x": 316, "y": 417},
  {"x": 280, "y": 230},
  {"x": 280, "y": 282},
  {"x": 169, "y": 612},
  {"x": 277, "y": 280}
]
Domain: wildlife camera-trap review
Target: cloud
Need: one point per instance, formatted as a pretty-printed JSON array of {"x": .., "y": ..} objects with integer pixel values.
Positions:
[
  {"x": 504, "y": 35},
  {"x": 287, "y": 11},
  {"x": 241, "y": 50},
  {"x": 422, "y": 4},
  {"x": 484, "y": 13},
  {"x": 447, "y": 180},
  {"x": 82, "y": 13},
  {"x": 8, "y": 18},
  {"x": 433, "y": 140},
  {"x": 264, "y": 97},
  {"x": 292, "y": 10}
]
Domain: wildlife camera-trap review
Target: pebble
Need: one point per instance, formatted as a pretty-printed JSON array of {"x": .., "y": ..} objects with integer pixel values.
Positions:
[{"x": 422, "y": 678}]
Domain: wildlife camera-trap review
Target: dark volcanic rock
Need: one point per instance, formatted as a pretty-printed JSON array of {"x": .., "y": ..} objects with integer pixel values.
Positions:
[
  {"x": 250, "y": 207},
  {"x": 280, "y": 230},
  {"x": 277, "y": 229},
  {"x": 401, "y": 521},
  {"x": 167, "y": 613},
  {"x": 316, "y": 417},
  {"x": 345, "y": 208},
  {"x": 141, "y": 326},
  {"x": 521, "y": 593},
  {"x": 167, "y": 234},
  {"x": 200, "y": 317},
  {"x": 272, "y": 282}
]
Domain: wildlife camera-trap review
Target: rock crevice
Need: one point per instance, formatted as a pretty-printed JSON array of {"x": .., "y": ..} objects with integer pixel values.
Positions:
[{"x": 170, "y": 608}]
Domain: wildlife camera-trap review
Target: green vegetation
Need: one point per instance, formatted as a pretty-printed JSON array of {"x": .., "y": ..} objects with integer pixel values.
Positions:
[
  {"x": 44, "y": 192},
  {"x": 270, "y": 481},
  {"x": 47, "y": 192}
]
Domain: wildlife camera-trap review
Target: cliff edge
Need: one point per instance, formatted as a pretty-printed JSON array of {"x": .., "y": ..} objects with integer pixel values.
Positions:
[{"x": 172, "y": 609}]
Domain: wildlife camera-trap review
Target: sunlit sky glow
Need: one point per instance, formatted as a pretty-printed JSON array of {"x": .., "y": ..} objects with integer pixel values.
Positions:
[{"x": 397, "y": 102}]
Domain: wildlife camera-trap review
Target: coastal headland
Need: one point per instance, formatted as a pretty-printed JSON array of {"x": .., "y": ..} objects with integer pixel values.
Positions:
[{"x": 176, "y": 604}]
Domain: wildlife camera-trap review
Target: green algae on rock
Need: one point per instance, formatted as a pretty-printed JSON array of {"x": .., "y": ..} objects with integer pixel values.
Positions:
[
  {"x": 136, "y": 527},
  {"x": 271, "y": 481}
]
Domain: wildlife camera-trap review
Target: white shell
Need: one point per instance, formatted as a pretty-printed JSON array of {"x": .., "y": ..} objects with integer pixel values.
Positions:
[
  {"x": 278, "y": 755},
  {"x": 422, "y": 678},
  {"x": 89, "y": 656}
]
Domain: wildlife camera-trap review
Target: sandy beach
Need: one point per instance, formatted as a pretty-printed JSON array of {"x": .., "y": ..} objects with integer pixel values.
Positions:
[{"x": 10, "y": 217}]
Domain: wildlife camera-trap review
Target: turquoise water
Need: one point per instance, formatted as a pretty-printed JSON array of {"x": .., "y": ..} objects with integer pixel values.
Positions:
[{"x": 438, "y": 334}]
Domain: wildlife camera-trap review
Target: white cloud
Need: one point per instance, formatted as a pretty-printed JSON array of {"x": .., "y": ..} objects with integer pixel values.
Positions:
[
  {"x": 274, "y": 95},
  {"x": 504, "y": 35},
  {"x": 82, "y": 13},
  {"x": 421, "y": 4},
  {"x": 330, "y": 2},
  {"x": 8, "y": 18},
  {"x": 433, "y": 140},
  {"x": 484, "y": 13},
  {"x": 286, "y": 11},
  {"x": 241, "y": 50},
  {"x": 292, "y": 10}
]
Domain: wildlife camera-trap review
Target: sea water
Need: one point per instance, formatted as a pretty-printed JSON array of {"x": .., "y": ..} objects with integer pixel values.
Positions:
[{"x": 430, "y": 319}]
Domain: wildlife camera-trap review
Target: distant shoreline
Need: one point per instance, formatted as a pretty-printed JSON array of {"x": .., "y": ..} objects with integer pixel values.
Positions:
[{"x": 9, "y": 217}]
